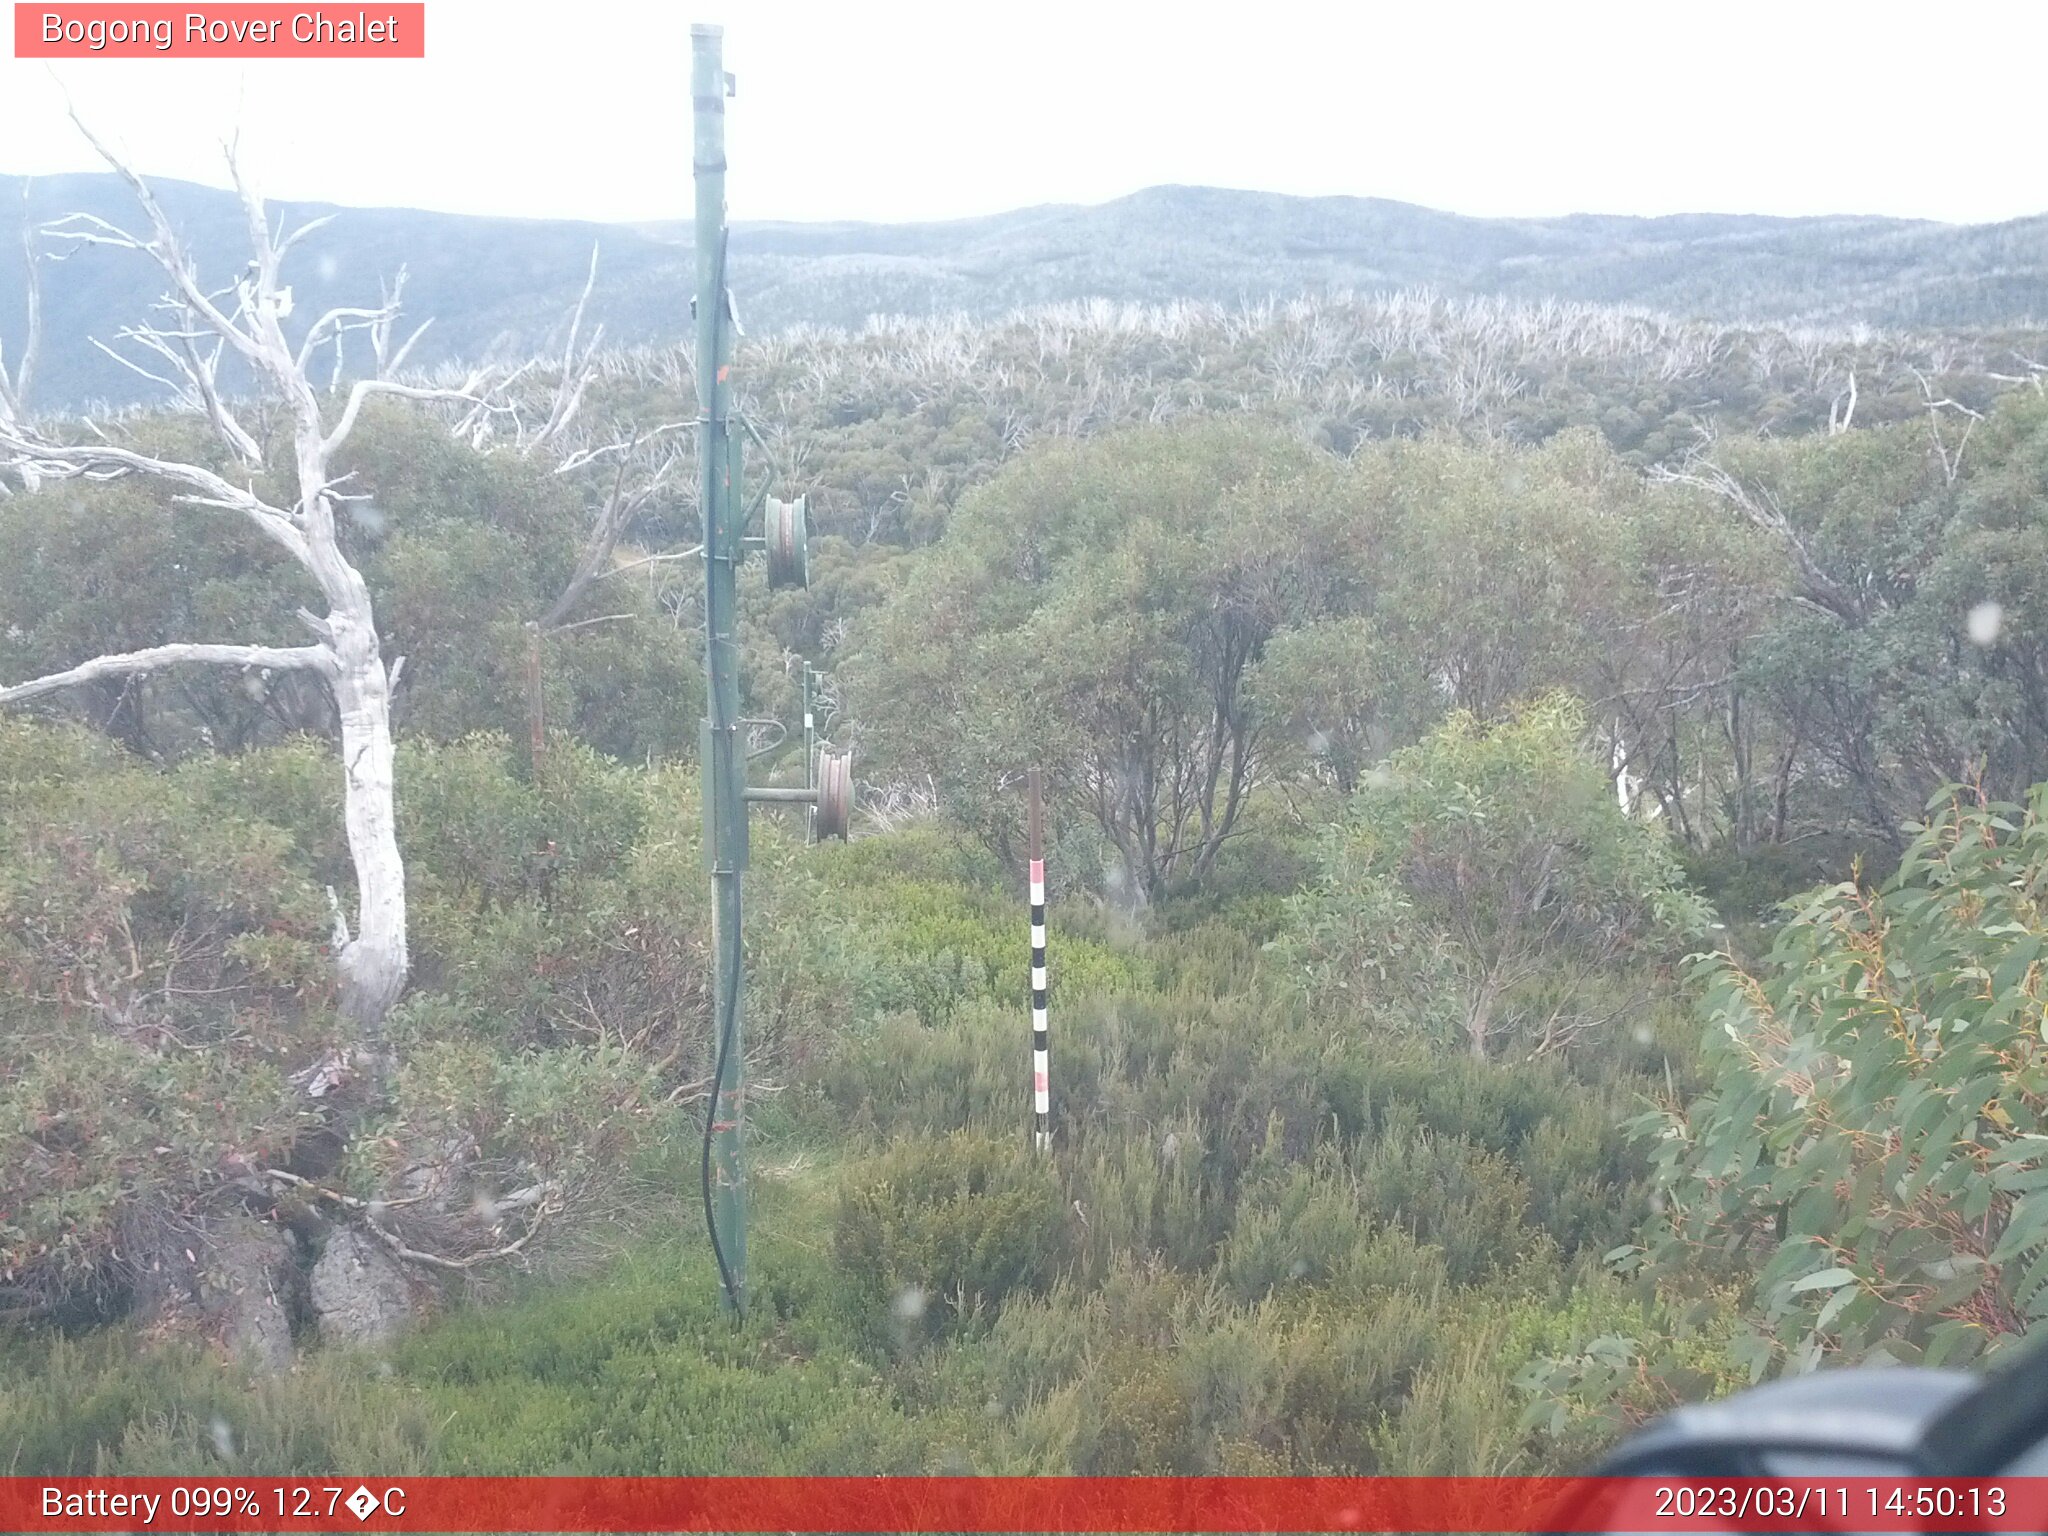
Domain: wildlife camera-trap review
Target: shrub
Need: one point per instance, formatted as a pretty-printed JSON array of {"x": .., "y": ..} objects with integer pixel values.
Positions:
[
  {"x": 1875, "y": 1129},
  {"x": 161, "y": 973},
  {"x": 1482, "y": 861},
  {"x": 949, "y": 1227}
]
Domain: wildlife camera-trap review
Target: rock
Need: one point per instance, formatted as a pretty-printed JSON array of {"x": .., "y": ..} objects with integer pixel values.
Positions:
[
  {"x": 360, "y": 1294},
  {"x": 247, "y": 1281},
  {"x": 230, "y": 1281}
]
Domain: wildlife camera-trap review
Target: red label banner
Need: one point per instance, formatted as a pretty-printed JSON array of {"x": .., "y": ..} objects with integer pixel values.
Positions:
[
  {"x": 234, "y": 31},
  {"x": 992, "y": 1504}
]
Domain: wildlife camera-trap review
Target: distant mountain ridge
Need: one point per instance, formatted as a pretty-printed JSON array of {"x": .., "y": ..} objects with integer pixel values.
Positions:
[{"x": 506, "y": 284}]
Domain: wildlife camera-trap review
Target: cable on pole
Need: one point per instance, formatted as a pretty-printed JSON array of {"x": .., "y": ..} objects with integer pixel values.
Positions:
[{"x": 726, "y": 1278}]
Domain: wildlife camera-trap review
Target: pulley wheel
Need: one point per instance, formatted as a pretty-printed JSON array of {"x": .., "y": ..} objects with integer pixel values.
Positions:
[
  {"x": 835, "y": 794},
  {"x": 787, "y": 535}
]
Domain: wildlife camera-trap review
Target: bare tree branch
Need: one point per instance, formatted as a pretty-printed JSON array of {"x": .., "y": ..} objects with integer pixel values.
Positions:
[
  {"x": 275, "y": 658},
  {"x": 1842, "y": 409},
  {"x": 577, "y": 371},
  {"x": 14, "y": 391},
  {"x": 662, "y": 559},
  {"x": 363, "y": 389},
  {"x": 597, "y": 548},
  {"x": 1951, "y": 458},
  {"x": 607, "y": 618},
  {"x": 1761, "y": 508},
  {"x": 97, "y": 461}
]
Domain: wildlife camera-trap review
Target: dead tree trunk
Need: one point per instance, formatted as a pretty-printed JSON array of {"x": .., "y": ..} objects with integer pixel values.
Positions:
[
  {"x": 375, "y": 961},
  {"x": 246, "y": 323}
]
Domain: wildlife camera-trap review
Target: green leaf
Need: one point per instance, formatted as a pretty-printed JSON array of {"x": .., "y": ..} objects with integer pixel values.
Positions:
[
  {"x": 1842, "y": 1297},
  {"x": 1823, "y": 1280}
]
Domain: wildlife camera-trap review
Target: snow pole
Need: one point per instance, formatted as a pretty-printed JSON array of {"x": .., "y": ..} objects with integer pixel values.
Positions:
[{"x": 1041, "y": 1045}]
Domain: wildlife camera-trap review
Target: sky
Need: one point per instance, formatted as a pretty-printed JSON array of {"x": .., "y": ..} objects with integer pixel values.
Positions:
[{"x": 893, "y": 110}]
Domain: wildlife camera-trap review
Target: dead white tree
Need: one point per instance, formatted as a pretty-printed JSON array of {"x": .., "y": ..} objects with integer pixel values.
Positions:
[
  {"x": 643, "y": 464},
  {"x": 1842, "y": 409},
  {"x": 634, "y": 464},
  {"x": 1759, "y": 505},
  {"x": 14, "y": 387},
  {"x": 1951, "y": 457},
  {"x": 245, "y": 322},
  {"x": 578, "y": 368}
]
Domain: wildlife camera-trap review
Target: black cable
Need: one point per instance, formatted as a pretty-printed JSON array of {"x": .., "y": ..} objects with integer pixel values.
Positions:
[
  {"x": 725, "y": 1033},
  {"x": 727, "y": 1015}
]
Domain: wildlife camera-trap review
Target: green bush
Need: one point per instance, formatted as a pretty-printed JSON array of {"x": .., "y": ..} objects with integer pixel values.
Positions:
[
  {"x": 102, "y": 1407},
  {"x": 1873, "y": 1136},
  {"x": 1476, "y": 867},
  {"x": 920, "y": 930},
  {"x": 949, "y": 1227},
  {"x": 161, "y": 973}
]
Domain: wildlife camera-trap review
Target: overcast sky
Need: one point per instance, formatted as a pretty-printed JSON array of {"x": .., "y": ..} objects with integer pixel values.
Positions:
[{"x": 886, "y": 109}]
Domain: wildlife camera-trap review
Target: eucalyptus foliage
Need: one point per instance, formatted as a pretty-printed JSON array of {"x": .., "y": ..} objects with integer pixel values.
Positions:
[
  {"x": 1876, "y": 1137},
  {"x": 1480, "y": 883}
]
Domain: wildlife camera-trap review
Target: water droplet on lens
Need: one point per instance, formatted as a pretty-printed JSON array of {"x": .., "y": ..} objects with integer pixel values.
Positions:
[{"x": 1986, "y": 620}]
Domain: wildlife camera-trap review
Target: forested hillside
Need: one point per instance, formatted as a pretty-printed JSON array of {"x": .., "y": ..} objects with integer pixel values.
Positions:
[
  {"x": 1547, "y": 892},
  {"x": 493, "y": 285}
]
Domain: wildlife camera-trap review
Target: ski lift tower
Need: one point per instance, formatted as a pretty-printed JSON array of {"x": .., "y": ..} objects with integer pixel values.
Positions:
[{"x": 723, "y": 740}]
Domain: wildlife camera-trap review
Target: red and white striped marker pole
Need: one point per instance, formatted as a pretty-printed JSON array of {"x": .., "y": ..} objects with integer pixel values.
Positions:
[{"x": 1041, "y": 1045}]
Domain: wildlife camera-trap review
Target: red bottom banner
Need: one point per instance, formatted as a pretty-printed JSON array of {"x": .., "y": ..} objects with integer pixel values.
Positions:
[{"x": 1021, "y": 1504}]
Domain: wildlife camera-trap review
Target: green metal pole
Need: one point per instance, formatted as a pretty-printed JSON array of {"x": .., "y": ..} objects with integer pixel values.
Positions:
[{"x": 723, "y": 755}]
